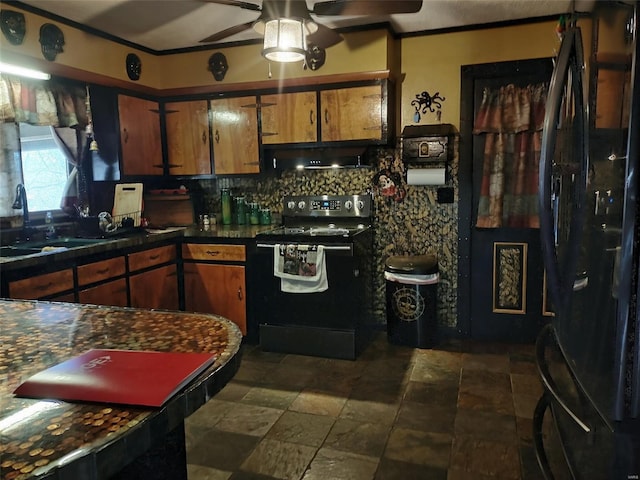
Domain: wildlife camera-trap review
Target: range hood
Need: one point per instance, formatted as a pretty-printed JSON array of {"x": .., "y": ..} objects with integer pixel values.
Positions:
[{"x": 316, "y": 158}]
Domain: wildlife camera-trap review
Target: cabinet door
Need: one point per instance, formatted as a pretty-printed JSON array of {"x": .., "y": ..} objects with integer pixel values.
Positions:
[
  {"x": 111, "y": 293},
  {"x": 235, "y": 135},
  {"x": 188, "y": 138},
  {"x": 218, "y": 289},
  {"x": 353, "y": 113},
  {"x": 140, "y": 136},
  {"x": 289, "y": 118},
  {"x": 157, "y": 288},
  {"x": 41, "y": 286}
]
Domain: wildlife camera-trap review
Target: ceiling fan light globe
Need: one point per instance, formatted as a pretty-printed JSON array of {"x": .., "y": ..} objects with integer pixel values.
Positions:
[{"x": 284, "y": 40}]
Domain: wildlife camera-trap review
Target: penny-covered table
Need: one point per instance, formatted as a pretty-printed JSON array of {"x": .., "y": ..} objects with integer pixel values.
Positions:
[{"x": 52, "y": 439}]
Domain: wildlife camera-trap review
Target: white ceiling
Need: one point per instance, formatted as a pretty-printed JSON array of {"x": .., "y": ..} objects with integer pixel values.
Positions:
[{"x": 173, "y": 24}]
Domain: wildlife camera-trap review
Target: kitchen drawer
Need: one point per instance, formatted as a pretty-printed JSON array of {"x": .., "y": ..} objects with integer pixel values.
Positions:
[
  {"x": 42, "y": 285},
  {"x": 222, "y": 252},
  {"x": 151, "y": 257},
  {"x": 98, "y": 271}
]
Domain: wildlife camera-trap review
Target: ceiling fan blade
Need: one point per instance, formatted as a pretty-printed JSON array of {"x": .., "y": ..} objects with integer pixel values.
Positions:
[
  {"x": 237, "y": 3},
  {"x": 366, "y": 7},
  {"x": 227, "y": 32},
  {"x": 324, "y": 37}
]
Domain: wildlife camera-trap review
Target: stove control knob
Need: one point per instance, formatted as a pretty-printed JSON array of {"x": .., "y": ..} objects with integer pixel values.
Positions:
[
  {"x": 360, "y": 205},
  {"x": 348, "y": 205},
  {"x": 301, "y": 205},
  {"x": 291, "y": 205}
]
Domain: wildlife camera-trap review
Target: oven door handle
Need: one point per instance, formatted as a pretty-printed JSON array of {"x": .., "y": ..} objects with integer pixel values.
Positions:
[{"x": 326, "y": 247}]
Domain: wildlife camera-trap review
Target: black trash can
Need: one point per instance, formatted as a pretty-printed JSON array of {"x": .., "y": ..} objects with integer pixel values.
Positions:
[{"x": 412, "y": 292}]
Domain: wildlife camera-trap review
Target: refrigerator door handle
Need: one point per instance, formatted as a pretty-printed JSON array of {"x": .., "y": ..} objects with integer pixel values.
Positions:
[
  {"x": 566, "y": 80},
  {"x": 547, "y": 380}
]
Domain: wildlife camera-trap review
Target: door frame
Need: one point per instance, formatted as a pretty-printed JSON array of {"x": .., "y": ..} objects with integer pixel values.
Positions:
[{"x": 469, "y": 74}]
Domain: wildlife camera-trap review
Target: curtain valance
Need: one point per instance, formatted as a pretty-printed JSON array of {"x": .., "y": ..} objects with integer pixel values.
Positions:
[{"x": 50, "y": 103}]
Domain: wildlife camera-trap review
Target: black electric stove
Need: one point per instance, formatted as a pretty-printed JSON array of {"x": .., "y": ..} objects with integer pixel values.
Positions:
[{"x": 331, "y": 323}]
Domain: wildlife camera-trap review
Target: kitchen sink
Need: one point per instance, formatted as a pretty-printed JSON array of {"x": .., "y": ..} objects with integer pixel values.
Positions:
[
  {"x": 46, "y": 246},
  {"x": 67, "y": 242},
  {"x": 17, "y": 251}
]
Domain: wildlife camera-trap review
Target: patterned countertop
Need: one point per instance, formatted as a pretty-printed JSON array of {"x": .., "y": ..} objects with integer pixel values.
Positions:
[{"x": 55, "y": 439}]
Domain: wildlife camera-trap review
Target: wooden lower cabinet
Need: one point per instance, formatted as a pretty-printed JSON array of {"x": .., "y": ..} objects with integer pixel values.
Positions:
[
  {"x": 112, "y": 293},
  {"x": 157, "y": 288},
  {"x": 42, "y": 286},
  {"x": 218, "y": 289}
]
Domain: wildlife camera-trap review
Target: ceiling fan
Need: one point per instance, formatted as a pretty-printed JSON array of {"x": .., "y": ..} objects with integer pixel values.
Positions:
[{"x": 316, "y": 33}]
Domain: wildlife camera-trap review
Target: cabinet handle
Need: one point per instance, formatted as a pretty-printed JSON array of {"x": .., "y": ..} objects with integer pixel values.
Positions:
[
  {"x": 375, "y": 127},
  {"x": 154, "y": 257},
  {"x": 175, "y": 165},
  {"x": 204, "y": 136},
  {"x": 239, "y": 293},
  {"x": 326, "y": 115},
  {"x": 213, "y": 253},
  {"x": 311, "y": 117},
  {"x": 217, "y": 136},
  {"x": 103, "y": 271},
  {"x": 126, "y": 135},
  {"x": 157, "y": 165},
  {"x": 44, "y": 287}
]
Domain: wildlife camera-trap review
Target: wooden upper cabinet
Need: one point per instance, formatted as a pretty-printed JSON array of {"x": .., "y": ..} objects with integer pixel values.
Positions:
[
  {"x": 140, "y": 137},
  {"x": 353, "y": 113},
  {"x": 235, "y": 135},
  {"x": 188, "y": 147},
  {"x": 289, "y": 118}
]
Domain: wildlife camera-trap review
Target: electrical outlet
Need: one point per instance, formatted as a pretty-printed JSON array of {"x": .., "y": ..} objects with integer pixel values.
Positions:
[{"x": 445, "y": 195}]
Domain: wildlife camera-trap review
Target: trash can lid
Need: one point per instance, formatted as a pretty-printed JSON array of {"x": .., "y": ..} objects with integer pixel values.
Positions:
[{"x": 412, "y": 264}]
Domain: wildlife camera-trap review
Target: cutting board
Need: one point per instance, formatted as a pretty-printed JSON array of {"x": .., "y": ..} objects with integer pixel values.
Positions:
[{"x": 127, "y": 202}]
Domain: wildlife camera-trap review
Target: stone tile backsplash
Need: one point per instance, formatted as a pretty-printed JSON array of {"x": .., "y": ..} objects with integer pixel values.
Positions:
[{"x": 408, "y": 219}]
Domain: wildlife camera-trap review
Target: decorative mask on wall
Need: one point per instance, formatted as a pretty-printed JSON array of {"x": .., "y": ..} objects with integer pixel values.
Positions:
[
  {"x": 13, "y": 26},
  {"x": 51, "y": 41},
  {"x": 389, "y": 185},
  {"x": 315, "y": 57},
  {"x": 134, "y": 66},
  {"x": 218, "y": 66}
]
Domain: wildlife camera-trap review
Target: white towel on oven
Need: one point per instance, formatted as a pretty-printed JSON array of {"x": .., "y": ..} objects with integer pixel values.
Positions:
[{"x": 301, "y": 268}]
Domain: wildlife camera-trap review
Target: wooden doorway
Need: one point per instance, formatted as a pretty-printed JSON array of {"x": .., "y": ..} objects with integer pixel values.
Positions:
[{"x": 485, "y": 254}]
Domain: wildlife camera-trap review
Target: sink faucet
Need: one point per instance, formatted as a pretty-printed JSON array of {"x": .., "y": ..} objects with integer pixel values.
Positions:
[{"x": 21, "y": 203}]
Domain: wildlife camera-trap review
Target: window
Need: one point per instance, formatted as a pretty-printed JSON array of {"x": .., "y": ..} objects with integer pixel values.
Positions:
[{"x": 45, "y": 168}]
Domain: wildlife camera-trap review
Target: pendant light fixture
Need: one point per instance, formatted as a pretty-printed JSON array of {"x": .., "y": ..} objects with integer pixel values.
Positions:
[{"x": 284, "y": 40}]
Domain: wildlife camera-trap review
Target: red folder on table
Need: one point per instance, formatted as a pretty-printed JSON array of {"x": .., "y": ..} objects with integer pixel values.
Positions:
[{"x": 117, "y": 376}]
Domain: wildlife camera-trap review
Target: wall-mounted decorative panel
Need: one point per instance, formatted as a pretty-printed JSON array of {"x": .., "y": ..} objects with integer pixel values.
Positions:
[{"x": 509, "y": 277}]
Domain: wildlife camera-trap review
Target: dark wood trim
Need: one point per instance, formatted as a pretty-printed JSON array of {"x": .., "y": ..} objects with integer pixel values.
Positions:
[{"x": 277, "y": 84}]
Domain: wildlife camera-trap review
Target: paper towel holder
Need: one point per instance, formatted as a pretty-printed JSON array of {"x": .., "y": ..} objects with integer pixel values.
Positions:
[{"x": 427, "y": 144}]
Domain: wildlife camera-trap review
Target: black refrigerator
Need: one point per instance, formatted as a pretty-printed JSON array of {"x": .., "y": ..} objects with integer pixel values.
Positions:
[{"x": 587, "y": 422}]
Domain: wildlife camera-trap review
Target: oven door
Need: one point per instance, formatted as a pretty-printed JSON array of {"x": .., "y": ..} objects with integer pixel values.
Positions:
[{"x": 326, "y": 323}]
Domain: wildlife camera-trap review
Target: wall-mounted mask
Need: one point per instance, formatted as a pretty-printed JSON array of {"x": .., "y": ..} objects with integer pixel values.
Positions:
[
  {"x": 315, "y": 56},
  {"x": 218, "y": 66},
  {"x": 13, "y": 26},
  {"x": 51, "y": 41},
  {"x": 134, "y": 66}
]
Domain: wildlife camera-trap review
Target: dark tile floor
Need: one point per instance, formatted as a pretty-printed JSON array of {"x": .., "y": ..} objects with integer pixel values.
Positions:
[{"x": 460, "y": 411}]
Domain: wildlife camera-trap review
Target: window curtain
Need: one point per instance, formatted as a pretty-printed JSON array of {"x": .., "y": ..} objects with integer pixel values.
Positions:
[
  {"x": 510, "y": 121},
  {"x": 55, "y": 104}
]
